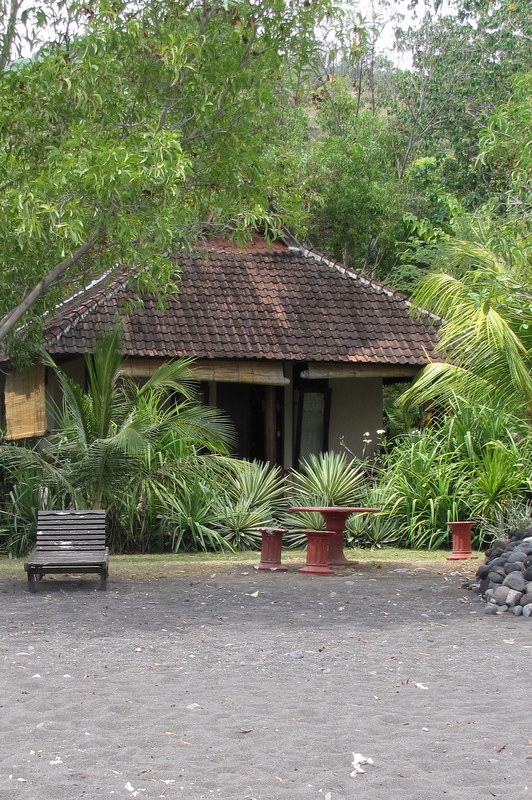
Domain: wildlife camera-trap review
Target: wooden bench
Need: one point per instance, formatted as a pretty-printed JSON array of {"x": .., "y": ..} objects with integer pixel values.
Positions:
[{"x": 68, "y": 542}]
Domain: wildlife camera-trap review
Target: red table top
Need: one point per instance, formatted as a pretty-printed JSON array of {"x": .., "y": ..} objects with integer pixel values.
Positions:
[{"x": 334, "y": 509}]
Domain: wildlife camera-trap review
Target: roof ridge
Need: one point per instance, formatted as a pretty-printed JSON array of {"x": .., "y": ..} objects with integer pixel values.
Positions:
[
  {"x": 103, "y": 295},
  {"x": 394, "y": 293},
  {"x": 331, "y": 262}
]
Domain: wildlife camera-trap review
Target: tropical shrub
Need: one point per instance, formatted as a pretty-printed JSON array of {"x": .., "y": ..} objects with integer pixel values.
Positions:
[
  {"x": 221, "y": 505},
  {"x": 109, "y": 438},
  {"x": 329, "y": 479},
  {"x": 485, "y": 338},
  {"x": 18, "y": 516},
  {"x": 470, "y": 465},
  {"x": 252, "y": 496},
  {"x": 373, "y": 530}
]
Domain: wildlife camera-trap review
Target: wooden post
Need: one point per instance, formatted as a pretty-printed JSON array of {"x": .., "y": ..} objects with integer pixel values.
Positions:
[{"x": 270, "y": 424}]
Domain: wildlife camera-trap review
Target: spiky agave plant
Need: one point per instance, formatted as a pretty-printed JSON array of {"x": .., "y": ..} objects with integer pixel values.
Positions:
[
  {"x": 253, "y": 495},
  {"x": 329, "y": 479}
]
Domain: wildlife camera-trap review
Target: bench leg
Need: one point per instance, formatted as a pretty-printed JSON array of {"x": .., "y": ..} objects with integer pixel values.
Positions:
[
  {"x": 103, "y": 580},
  {"x": 32, "y": 586}
]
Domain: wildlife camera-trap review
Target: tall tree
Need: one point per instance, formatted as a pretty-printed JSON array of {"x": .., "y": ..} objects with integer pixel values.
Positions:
[
  {"x": 505, "y": 149},
  {"x": 463, "y": 64},
  {"x": 155, "y": 124}
]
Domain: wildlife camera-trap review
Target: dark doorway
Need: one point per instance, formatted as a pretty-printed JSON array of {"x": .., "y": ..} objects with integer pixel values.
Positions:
[{"x": 256, "y": 414}]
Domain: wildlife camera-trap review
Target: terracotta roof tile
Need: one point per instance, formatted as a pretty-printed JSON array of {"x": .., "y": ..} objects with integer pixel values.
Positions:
[{"x": 257, "y": 302}]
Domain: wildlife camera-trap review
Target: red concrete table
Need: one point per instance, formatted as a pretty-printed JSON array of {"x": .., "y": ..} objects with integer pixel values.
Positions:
[{"x": 335, "y": 518}]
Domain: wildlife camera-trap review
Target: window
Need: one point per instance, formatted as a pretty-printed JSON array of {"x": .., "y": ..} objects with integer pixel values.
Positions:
[{"x": 312, "y": 411}]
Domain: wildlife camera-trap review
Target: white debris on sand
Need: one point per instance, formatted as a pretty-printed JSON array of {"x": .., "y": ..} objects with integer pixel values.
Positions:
[{"x": 358, "y": 760}]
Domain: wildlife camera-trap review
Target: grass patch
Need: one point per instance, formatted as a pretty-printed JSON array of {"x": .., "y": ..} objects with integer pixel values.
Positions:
[{"x": 166, "y": 565}]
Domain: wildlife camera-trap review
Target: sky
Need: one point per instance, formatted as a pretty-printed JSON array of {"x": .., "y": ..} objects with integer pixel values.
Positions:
[{"x": 389, "y": 14}]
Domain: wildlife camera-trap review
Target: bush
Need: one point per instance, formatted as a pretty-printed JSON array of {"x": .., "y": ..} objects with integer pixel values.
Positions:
[{"x": 468, "y": 466}]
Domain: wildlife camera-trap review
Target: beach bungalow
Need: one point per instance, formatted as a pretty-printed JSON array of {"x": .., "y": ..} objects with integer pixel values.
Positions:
[{"x": 293, "y": 346}]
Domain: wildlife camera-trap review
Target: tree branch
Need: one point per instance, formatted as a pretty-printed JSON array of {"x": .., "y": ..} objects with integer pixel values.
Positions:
[{"x": 9, "y": 321}]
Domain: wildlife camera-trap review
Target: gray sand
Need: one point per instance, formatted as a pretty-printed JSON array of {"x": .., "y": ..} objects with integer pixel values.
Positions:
[{"x": 193, "y": 687}]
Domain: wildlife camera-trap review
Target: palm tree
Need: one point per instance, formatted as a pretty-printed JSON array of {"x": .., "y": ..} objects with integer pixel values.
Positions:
[
  {"x": 105, "y": 436},
  {"x": 485, "y": 335}
]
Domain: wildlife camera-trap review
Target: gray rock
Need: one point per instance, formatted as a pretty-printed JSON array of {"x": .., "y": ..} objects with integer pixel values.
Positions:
[
  {"x": 500, "y": 594},
  {"x": 517, "y": 610},
  {"x": 513, "y": 598},
  {"x": 527, "y": 610},
  {"x": 515, "y": 566},
  {"x": 491, "y": 608},
  {"x": 515, "y": 581},
  {"x": 526, "y": 599},
  {"x": 494, "y": 577},
  {"x": 517, "y": 555}
]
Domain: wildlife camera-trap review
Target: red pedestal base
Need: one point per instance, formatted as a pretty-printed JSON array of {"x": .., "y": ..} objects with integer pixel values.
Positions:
[
  {"x": 335, "y": 521},
  {"x": 317, "y": 553},
  {"x": 461, "y": 532},
  {"x": 270, "y": 553}
]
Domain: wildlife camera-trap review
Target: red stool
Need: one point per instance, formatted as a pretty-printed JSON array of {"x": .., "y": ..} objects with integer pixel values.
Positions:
[
  {"x": 317, "y": 553},
  {"x": 461, "y": 532},
  {"x": 270, "y": 551}
]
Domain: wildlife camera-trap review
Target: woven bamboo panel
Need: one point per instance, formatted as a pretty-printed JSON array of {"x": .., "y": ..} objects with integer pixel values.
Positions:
[
  {"x": 25, "y": 403},
  {"x": 321, "y": 371},
  {"x": 266, "y": 374}
]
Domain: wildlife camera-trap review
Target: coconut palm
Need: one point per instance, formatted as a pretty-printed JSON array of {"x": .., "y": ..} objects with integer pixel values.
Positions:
[
  {"x": 485, "y": 336},
  {"x": 104, "y": 435}
]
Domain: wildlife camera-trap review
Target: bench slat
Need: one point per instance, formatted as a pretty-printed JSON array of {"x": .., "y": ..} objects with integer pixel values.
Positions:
[
  {"x": 50, "y": 524},
  {"x": 67, "y": 559},
  {"x": 69, "y": 548},
  {"x": 76, "y": 536}
]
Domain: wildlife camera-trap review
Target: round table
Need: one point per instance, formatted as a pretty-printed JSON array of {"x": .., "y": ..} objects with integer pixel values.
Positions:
[{"x": 335, "y": 518}]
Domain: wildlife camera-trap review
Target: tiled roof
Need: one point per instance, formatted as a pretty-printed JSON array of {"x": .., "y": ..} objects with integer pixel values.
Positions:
[{"x": 257, "y": 302}]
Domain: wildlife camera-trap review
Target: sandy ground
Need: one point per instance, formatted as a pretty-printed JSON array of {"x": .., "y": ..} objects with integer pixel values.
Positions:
[{"x": 258, "y": 686}]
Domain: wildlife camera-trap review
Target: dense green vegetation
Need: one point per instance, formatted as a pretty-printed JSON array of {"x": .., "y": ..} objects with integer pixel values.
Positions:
[{"x": 140, "y": 127}]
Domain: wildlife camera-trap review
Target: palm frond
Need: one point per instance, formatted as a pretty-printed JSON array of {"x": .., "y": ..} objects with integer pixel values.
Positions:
[
  {"x": 176, "y": 376},
  {"x": 103, "y": 368},
  {"x": 484, "y": 336},
  {"x": 17, "y": 459}
]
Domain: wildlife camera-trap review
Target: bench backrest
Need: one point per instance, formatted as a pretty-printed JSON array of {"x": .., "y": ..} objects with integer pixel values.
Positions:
[{"x": 70, "y": 530}]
